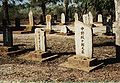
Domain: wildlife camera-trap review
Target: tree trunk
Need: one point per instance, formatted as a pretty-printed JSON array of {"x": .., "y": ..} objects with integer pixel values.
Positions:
[
  {"x": 7, "y": 32},
  {"x": 66, "y": 2},
  {"x": 43, "y": 7}
]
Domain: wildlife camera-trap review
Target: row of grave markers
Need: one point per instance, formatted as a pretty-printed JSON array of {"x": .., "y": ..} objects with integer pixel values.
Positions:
[
  {"x": 87, "y": 19},
  {"x": 83, "y": 45}
]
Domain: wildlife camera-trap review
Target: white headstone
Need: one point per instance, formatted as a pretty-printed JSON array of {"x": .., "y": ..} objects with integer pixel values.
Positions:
[
  {"x": 40, "y": 40},
  {"x": 100, "y": 18},
  {"x": 86, "y": 18},
  {"x": 48, "y": 22},
  {"x": 63, "y": 18},
  {"x": 76, "y": 16},
  {"x": 83, "y": 40},
  {"x": 63, "y": 29},
  {"x": 31, "y": 18},
  {"x": 90, "y": 18},
  {"x": 116, "y": 10}
]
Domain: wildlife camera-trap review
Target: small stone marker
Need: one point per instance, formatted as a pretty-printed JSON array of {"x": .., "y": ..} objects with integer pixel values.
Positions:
[
  {"x": 63, "y": 18},
  {"x": 86, "y": 18},
  {"x": 83, "y": 60},
  {"x": 90, "y": 18},
  {"x": 48, "y": 22},
  {"x": 64, "y": 29},
  {"x": 100, "y": 18},
  {"x": 40, "y": 40},
  {"x": 31, "y": 18},
  {"x": 76, "y": 16}
]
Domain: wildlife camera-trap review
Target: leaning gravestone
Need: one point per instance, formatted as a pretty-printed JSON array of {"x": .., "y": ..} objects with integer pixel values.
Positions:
[
  {"x": 86, "y": 19},
  {"x": 83, "y": 60},
  {"x": 90, "y": 18},
  {"x": 40, "y": 40},
  {"x": 100, "y": 18},
  {"x": 63, "y": 18}
]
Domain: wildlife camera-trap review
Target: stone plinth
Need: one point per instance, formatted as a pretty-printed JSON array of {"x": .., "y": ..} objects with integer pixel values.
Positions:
[
  {"x": 37, "y": 56},
  {"x": 81, "y": 63},
  {"x": 10, "y": 51}
]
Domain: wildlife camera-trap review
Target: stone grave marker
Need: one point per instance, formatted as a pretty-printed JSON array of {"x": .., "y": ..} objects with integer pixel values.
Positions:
[
  {"x": 31, "y": 23},
  {"x": 64, "y": 29},
  {"x": 63, "y": 18},
  {"x": 83, "y": 60},
  {"x": 83, "y": 40},
  {"x": 48, "y": 22},
  {"x": 76, "y": 16},
  {"x": 100, "y": 18},
  {"x": 90, "y": 18},
  {"x": 40, "y": 40},
  {"x": 86, "y": 18}
]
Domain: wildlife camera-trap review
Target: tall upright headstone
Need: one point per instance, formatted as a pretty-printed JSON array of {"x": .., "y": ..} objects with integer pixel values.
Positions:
[
  {"x": 48, "y": 22},
  {"x": 76, "y": 16},
  {"x": 40, "y": 40},
  {"x": 100, "y": 18},
  {"x": 63, "y": 18},
  {"x": 90, "y": 18},
  {"x": 86, "y": 18},
  {"x": 31, "y": 23},
  {"x": 83, "y": 40},
  {"x": 116, "y": 10},
  {"x": 118, "y": 31}
]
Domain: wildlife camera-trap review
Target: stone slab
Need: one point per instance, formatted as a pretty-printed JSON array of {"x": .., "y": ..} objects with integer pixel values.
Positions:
[
  {"x": 86, "y": 69},
  {"x": 81, "y": 63},
  {"x": 37, "y": 56}
]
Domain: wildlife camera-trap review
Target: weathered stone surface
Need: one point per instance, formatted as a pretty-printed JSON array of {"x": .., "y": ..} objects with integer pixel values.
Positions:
[
  {"x": 40, "y": 40},
  {"x": 81, "y": 61},
  {"x": 63, "y": 18},
  {"x": 64, "y": 29},
  {"x": 48, "y": 22},
  {"x": 86, "y": 18},
  {"x": 90, "y": 18},
  {"x": 83, "y": 40},
  {"x": 100, "y": 18},
  {"x": 31, "y": 23},
  {"x": 76, "y": 17}
]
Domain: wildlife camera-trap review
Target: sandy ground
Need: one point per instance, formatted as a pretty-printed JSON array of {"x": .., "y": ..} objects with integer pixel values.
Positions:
[{"x": 12, "y": 68}]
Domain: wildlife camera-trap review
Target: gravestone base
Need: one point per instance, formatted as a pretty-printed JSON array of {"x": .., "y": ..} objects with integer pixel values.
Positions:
[
  {"x": 81, "y": 63},
  {"x": 10, "y": 51},
  {"x": 37, "y": 56}
]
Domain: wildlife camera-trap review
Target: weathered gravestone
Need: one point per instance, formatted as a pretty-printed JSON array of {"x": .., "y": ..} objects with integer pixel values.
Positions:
[
  {"x": 64, "y": 29},
  {"x": 90, "y": 18},
  {"x": 100, "y": 18},
  {"x": 116, "y": 10},
  {"x": 63, "y": 18},
  {"x": 118, "y": 31},
  {"x": 31, "y": 23},
  {"x": 40, "y": 40},
  {"x": 48, "y": 23},
  {"x": 83, "y": 60},
  {"x": 40, "y": 53},
  {"x": 86, "y": 18},
  {"x": 76, "y": 16}
]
